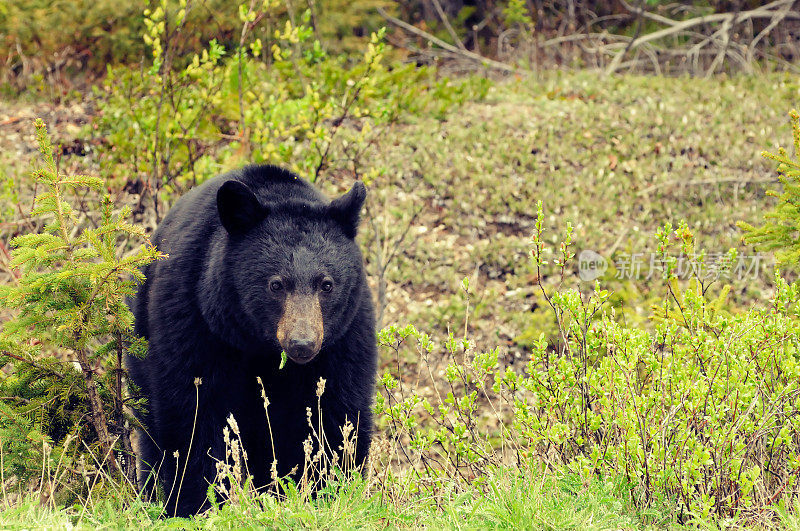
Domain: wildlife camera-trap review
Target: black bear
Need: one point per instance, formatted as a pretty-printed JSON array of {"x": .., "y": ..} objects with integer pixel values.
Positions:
[{"x": 260, "y": 264}]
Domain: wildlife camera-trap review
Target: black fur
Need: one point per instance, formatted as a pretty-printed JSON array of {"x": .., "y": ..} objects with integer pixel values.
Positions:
[{"x": 207, "y": 311}]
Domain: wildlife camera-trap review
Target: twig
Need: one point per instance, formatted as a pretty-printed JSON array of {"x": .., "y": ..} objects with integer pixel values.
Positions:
[
  {"x": 98, "y": 416},
  {"x": 704, "y": 181},
  {"x": 779, "y": 16},
  {"x": 639, "y": 19},
  {"x": 580, "y": 37},
  {"x": 19, "y": 399},
  {"x": 446, "y": 22},
  {"x": 323, "y": 156},
  {"x": 15, "y": 274},
  {"x": 153, "y": 182},
  {"x": 727, "y": 31},
  {"x": 449, "y": 47},
  {"x": 246, "y": 27}
]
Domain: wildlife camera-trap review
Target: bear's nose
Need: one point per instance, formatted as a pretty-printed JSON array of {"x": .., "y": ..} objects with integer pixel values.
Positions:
[{"x": 301, "y": 349}]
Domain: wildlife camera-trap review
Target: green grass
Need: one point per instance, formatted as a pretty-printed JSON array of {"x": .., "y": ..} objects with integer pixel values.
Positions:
[{"x": 515, "y": 503}]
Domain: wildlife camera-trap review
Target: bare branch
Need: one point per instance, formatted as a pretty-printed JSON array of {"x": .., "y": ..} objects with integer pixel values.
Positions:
[
  {"x": 777, "y": 19},
  {"x": 729, "y": 19},
  {"x": 446, "y": 22},
  {"x": 449, "y": 47}
]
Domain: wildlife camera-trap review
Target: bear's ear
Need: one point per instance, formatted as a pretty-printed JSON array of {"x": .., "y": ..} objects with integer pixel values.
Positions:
[
  {"x": 238, "y": 207},
  {"x": 346, "y": 209}
]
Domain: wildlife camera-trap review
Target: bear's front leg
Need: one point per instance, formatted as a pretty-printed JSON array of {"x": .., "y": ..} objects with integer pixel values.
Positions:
[
  {"x": 188, "y": 422},
  {"x": 185, "y": 483}
]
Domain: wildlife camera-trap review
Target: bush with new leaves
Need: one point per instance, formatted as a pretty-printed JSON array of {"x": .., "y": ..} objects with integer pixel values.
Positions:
[
  {"x": 702, "y": 411},
  {"x": 278, "y": 96}
]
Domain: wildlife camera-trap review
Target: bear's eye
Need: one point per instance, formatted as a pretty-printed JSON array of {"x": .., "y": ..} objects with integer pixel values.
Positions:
[
  {"x": 326, "y": 286},
  {"x": 275, "y": 285}
]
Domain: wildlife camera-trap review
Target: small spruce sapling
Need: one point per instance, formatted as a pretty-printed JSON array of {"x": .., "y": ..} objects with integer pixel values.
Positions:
[{"x": 71, "y": 326}]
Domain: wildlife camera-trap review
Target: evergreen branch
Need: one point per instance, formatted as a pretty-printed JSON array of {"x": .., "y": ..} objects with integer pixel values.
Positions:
[
  {"x": 34, "y": 364},
  {"x": 16, "y": 399},
  {"x": 779, "y": 232}
]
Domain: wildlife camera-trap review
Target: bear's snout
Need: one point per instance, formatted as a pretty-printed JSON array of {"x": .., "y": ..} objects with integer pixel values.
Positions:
[
  {"x": 300, "y": 330},
  {"x": 302, "y": 349}
]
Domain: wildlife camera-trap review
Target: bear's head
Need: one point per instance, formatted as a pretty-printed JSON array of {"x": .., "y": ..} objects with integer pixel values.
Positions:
[{"x": 293, "y": 266}]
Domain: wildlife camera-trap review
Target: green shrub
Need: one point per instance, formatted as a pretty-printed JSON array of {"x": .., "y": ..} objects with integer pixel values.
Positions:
[
  {"x": 76, "y": 31},
  {"x": 85, "y": 36},
  {"x": 702, "y": 411},
  {"x": 282, "y": 99}
]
